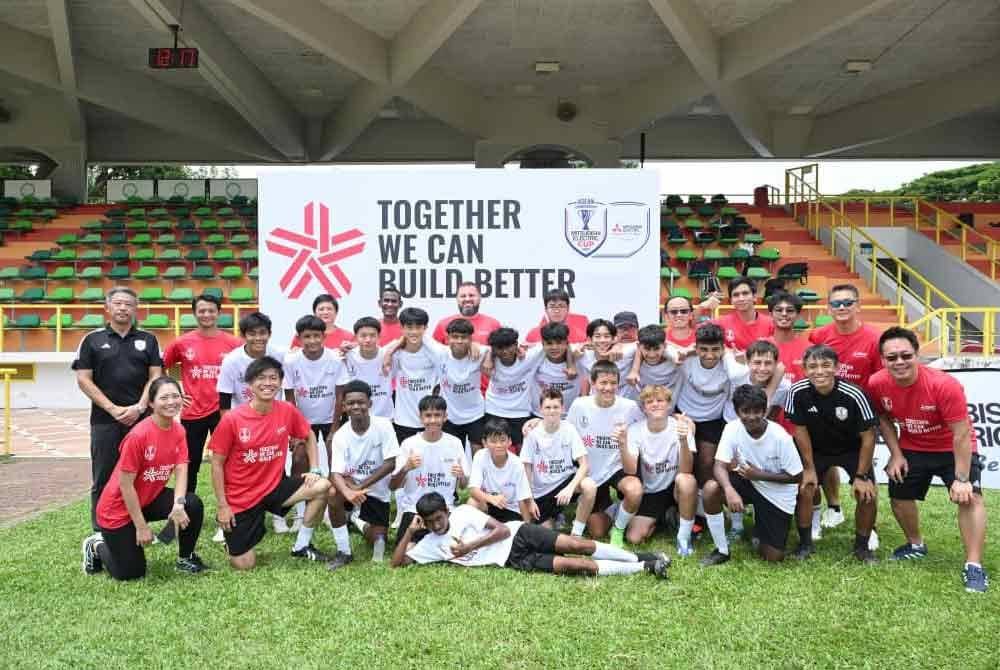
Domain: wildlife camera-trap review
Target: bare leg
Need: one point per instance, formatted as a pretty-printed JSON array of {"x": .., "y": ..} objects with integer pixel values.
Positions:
[
  {"x": 686, "y": 495},
  {"x": 598, "y": 524},
  {"x": 315, "y": 495},
  {"x": 771, "y": 554},
  {"x": 640, "y": 529},
  {"x": 831, "y": 487},
  {"x": 704, "y": 462},
  {"x": 585, "y": 503},
  {"x": 481, "y": 506},
  {"x": 864, "y": 517},
  {"x": 908, "y": 517},
  {"x": 972, "y": 524},
  {"x": 563, "y": 565},
  {"x": 245, "y": 561}
]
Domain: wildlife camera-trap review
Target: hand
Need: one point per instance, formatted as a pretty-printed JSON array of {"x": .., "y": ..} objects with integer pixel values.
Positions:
[
  {"x": 864, "y": 490},
  {"x": 522, "y": 349},
  {"x": 457, "y": 471},
  {"x": 685, "y": 426},
  {"x": 733, "y": 500},
  {"x": 564, "y": 496},
  {"x": 808, "y": 479},
  {"x": 529, "y": 426},
  {"x": 487, "y": 365},
  {"x": 346, "y": 347},
  {"x": 536, "y": 514},
  {"x": 497, "y": 500},
  {"x": 179, "y": 517},
  {"x": 310, "y": 478},
  {"x": 632, "y": 378},
  {"x": 740, "y": 356},
  {"x": 460, "y": 549},
  {"x": 225, "y": 518},
  {"x": 356, "y": 497},
  {"x": 126, "y": 415},
  {"x": 571, "y": 372},
  {"x": 620, "y": 433},
  {"x": 685, "y": 352},
  {"x": 896, "y": 468},
  {"x": 386, "y": 365},
  {"x": 416, "y": 524},
  {"x": 143, "y": 536},
  {"x": 414, "y": 461},
  {"x": 474, "y": 351},
  {"x": 615, "y": 353},
  {"x": 711, "y": 302},
  {"x": 960, "y": 492},
  {"x": 747, "y": 471}
]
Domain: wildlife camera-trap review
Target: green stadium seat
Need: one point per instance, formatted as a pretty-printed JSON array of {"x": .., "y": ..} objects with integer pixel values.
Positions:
[
  {"x": 90, "y": 321},
  {"x": 226, "y": 321},
  {"x": 33, "y": 294},
  {"x": 729, "y": 211},
  {"x": 63, "y": 273},
  {"x": 166, "y": 238},
  {"x": 91, "y": 239},
  {"x": 62, "y": 294},
  {"x": 248, "y": 255},
  {"x": 6, "y": 294},
  {"x": 208, "y": 225},
  {"x": 706, "y": 211},
  {"x": 175, "y": 272},
  {"x": 715, "y": 255},
  {"x": 696, "y": 200},
  {"x": 157, "y": 212},
  {"x": 67, "y": 321},
  {"x": 758, "y": 274},
  {"x": 91, "y": 256},
  {"x": 683, "y": 210},
  {"x": 151, "y": 294},
  {"x": 137, "y": 225},
  {"x": 753, "y": 238},
  {"x": 39, "y": 256},
  {"x": 67, "y": 240},
  {"x": 231, "y": 273},
  {"x": 232, "y": 224},
  {"x": 119, "y": 272},
  {"x": 215, "y": 239},
  {"x": 247, "y": 211},
  {"x": 22, "y": 226},
  {"x": 91, "y": 272},
  {"x": 188, "y": 321},
  {"x": 213, "y": 290},
  {"x": 92, "y": 294},
  {"x": 196, "y": 255},
  {"x": 92, "y": 225},
  {"x": 162, "y": 224},
  {"x": 222, "y": 254},
  {"x": 183, "y": 295},
  {"x": 242, "y": 294},
  {"x": 155, "y": 322},
  {"x": 185, "y": 225},
  {"x": 823, "y": 320},
  {"x": 665, "y": 273},
  {"x": 254, "y": 272},
  {"x": 116, "y": 239},
  {"x": 136, "y": 212},
  {"x": 239, "y": 240},
  {"x": 807, "y": 296},
  {"x": 686, "y": 255},
  {"x": 190, "y": 239},
  {"x": 719, "y": 200},
  {"x": 224, "y": 211},
  {"x": 118, "y": 255},
  {"x": 680, "y": 292},
  {"x": 770, "y": 254},
  {"x": 181, "y": 212},
  {"x": 693, "y": 224},
  {"x": 202, "y": 272},
  {"x": 146, "y": 273},
  {"x": 144, "y": 254},
  {"x": 170, "y": 255},
  {"x": 141, "y": 239},
  {"x": 727, "y": 272},
  {"x": 800, "y": 324},
  {"x": 203, "y": 211},
  {"x": 34, "y": 273},
  {"x": 26, "y": 321},
  {"x": 739, "y": 254}
]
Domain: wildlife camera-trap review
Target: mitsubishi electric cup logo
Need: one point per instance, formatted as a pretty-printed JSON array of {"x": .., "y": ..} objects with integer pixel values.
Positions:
[
  {"x": 233, "y": 189},
  {"x": 315, "y": 253},
  {"x": 612, "y": 230}
]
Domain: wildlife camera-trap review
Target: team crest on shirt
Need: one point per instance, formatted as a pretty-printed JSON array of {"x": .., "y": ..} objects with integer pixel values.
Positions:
[
  {"x": 584, "y": 422},
  {"x": 840, "y": 413},
  {"x": 887, "y": 403},
  {"x": 244, "y": 435},
  {"x": 149, "y": 453},
  {"x": 140, "y": 345},
  {"x": 189, "y": 354}
]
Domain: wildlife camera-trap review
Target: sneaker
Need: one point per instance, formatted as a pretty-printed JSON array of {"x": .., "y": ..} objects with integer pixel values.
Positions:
[
  {"x": 909, "y": 552},
  {"x": 219, "y": 536},
  {"x": 560, "y": 520},
  {"x": 617, "y": 537},
  {"x": 975, "y": 579},
  {"x": 92, "y": 563},
  {"x": 715, "y": 558},
  {"x": 658, "y": 567},
  {"x": 734, "y": 534},
  {"x": 873, "y": 543},
  {"x": 865, "y": 555},
  {"x": 280, "y": 525},
  {"x": 652, "y": 556},
  {"x": 832, "y": 518},
  {"x": 191, "y": 565},
  {"x": 803, "y": 551},
  {"x": 167, "y": 535},
  {"x": 684, "y": 550},
  {"x": 339, "y": 560},
  {"x": 309, "y": 552},
  {"x": 817, "y": 533}
]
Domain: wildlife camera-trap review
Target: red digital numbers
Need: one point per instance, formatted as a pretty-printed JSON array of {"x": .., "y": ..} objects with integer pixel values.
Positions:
[{"x": 165, "y": 58}]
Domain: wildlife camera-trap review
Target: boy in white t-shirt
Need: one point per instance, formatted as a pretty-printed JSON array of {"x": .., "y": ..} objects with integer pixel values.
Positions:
[
  {"x": 429, "y": 461},
  {"x": 471, "y": 538},
  {"x": 363, "y": 458},
  {"x": 414, "y": 372},
  {"x": 757, "y": 463},
  {"x": 460, "y": 380},
  {"x": 656, "y": 362},
  {"x": 557, "y": 466},
  {"x": 364, "y": 363},
  {"x": 602, "y": 345},
  {"x": 508, "y": 395},
  {"x": 557, "y": 370},
  {"x": 498, "y": 484}
]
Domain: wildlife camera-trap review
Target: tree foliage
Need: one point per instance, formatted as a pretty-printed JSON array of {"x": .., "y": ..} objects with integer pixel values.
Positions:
[
  {"x": 976, "y": 183},
  {"x": 99, "y": 175},
  {"x": 15, "y": 172}
]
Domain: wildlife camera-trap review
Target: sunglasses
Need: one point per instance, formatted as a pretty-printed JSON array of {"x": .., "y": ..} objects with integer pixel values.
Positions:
[
  {"x": 678, "y": 312},
  {"x": 892, "y": 358},
  {"x": 837, "y": 304}
]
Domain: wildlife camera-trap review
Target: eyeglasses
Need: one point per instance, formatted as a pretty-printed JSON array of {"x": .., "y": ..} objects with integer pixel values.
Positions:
[
  {"x": 837, "y": 304},
  {"x": 892, "y": 358},
  {"x": 785, "y": 310},
  {"x": 678, "y": 312}
]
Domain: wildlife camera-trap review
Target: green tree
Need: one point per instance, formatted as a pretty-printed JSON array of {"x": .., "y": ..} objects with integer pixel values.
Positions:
[
  {"x": 979, "y": 182},
  {"x": 15, "y": 172},
  {"x": 99, "y": 175}
]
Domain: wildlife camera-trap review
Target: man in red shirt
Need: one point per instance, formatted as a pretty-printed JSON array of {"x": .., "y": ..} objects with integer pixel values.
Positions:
[
  {"x": 249, "y": 449},
  {"x": 935, "y": 439},
  {"x": 390, "y": 303},
  {"x": 556, "y": 303},
  {"x": 785, "y": 309},
  {"x": 326, "y": 307},
  {"x": 468, "y": 308},
  {"x": 743, "y": 325},
  {"x": 679, "y": 315}
]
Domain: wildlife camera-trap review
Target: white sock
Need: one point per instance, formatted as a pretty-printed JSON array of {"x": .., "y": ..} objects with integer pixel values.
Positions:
[
  {"x": 736, "y": 520},
  {"x": 303, "y": 539},
  {"x": 623, "y": 517},
  {"x": 700, "y": 510},
  {"x": 578, "y": 528},
  {"x": 970, "y": 563},
  {"x": 684, "y": 531},
  {"x": 605, "y": 568},
  {"x": 342, "y": 539},
  {"x": 362, "y": 526},
  {"x": 612, "y": 510},
  {"x": 816, "y": 517},
  {"x": 300, "y": 509},
  {"x": 611, "y": 553},
  {"x": 717, "y": 528},
  {"x": 378, "y": 549}
]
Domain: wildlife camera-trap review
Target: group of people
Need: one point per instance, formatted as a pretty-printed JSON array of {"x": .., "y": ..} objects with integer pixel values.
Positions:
[{"x": 621, "y": 429}]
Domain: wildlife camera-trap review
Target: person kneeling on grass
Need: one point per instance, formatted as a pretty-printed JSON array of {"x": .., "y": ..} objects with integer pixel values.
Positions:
[
  {"x": 471, "y": 538},
  {"x": 756, "y": 463},
  {"x": 498, "y": 484},
  {"x": 249, "y": 449},
  {"x": 137, "y": 493}
]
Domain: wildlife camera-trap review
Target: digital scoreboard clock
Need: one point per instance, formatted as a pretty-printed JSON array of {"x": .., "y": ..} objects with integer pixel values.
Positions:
[{"x": 168, "y": 58}]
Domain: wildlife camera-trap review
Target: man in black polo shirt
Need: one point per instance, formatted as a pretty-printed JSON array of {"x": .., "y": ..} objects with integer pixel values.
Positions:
[
  {"x": 834, "y": 426},
  {"x": 114, "y": 366}
]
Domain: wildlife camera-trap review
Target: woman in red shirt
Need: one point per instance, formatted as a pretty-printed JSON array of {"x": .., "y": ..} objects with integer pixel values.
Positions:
[
  {"x": 137, "y": 493},
  {"x": 326, "y": 307}
]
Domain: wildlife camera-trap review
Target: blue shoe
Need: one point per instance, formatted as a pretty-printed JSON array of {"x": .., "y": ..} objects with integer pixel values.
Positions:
[
  {"x": 684, "y": 550},
  {"x": 975, "y": 579},
  {"x": 909, "y": 552}
]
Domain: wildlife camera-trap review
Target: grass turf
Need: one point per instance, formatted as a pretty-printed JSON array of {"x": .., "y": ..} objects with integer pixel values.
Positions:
[{"x": 827, "y": 613}]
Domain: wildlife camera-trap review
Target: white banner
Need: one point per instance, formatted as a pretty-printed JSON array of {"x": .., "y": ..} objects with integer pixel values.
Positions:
[
  {"x": 120, "y": 190},
  {"x": 27, "y": 188},
  {"x": 515, "y": 233},
  {"x": 230, "y": 188},
  {"x": 185, "y": 188}
]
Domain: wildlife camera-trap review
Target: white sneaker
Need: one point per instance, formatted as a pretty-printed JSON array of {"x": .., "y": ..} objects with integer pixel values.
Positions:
[
  {"x": 279, "y": 524},
  {"x": 218, "y": 537},
  {"x": 832, "y": 518},
  {"x": 873, "y": 541},
  {"x": 817, "y": 533}
]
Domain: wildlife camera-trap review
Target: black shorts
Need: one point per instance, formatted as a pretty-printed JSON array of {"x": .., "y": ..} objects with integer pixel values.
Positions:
[
  {"x": 603, "y": 500},
  {"x": 502, "y": 514},
  {"x": 847, "y": 460},
  {"x": 548, "y": 508},
  {"x": 249, "y": 530},
  {"x": 404, "y": 522},
  {"x": 403, "y": 432},
  {"x": 709, "y": 431},
  {"x": 924, "y": 465},
  {"x": 373, "y": 511},
  {"x": 655, "y": 505},
  {"x": 770, "y": 522},
  {"x": 533, "y": 549},
  {"x": 472, "y": 430},
  {"x": 516, "y": 426}
]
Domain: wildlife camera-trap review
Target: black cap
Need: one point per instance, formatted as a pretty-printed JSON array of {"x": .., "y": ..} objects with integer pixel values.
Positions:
[{"x": 626, "y": 319}]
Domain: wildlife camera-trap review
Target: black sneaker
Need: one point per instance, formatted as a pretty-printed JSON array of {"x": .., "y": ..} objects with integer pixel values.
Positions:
[
  {"x": 167, "y": 535},
  {"x": 865, "y": 555},
  {"x": 192, "y": 564},
  {"x": 92, "y": 563},
  {"x": 650, "y": 556},
  {"x": 715, "y": 558},
  {"x": 339, "y": 560},
  {"x": 909, "y": 552},
  {"x": 311, "y": 553},
  {"x": 657, "y": 567},
  {"x": 803, "y": 551}
]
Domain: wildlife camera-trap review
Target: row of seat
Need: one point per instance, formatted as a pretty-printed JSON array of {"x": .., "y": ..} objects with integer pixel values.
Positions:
[
  {"x": 204, "y": 225},
  {"x": 70, "y": 240},
  {"x": 123, "y": 255},
  {"x": 201, "y": 211},
  {"x": 32, "y": 321},
  {"x": 96, "y": 294},
  {"x": 122, "y": 272}
]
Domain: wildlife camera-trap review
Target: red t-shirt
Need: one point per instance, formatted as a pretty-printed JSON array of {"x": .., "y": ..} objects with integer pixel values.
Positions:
[
  {"x": 389, "y": 332},
  {"x": 739, "y": 334},
  {"x": 858, "y": 352},
  {"x": 577, "y": 324},
  {"x": 200, "y": 358},
  {"x": 790, "y": 354},
  {"x": 255, "y": 446},
  {"x": 924, "y": 409},
  {"x": 334, "y": 338},
  {"x": 151, "y": 453},
  {"x": 680, "y": 341},
  {"x": 482, "y": 326}
]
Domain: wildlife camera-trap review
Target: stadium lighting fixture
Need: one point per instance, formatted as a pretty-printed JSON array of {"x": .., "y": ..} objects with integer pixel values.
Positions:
[
  {"x": 547, "y": 66},
  {"x": 801, "y": 110},
  {"x": 857, "y": 66}
]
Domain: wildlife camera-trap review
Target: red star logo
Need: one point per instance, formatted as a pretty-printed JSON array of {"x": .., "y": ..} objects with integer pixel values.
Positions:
[
  {"x": 315, "y": 254},
  {"x": 588, "y": 441},
  {"x": 542, "y": 467},
  {"x": 302, "y": 392},
  {"x": 421, "y": 480}
]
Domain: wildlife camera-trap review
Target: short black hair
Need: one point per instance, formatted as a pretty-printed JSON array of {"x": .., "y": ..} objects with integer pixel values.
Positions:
[
  {"x": 740, "y": 281},
  {"x": 367, "y": 322},
  {"x": 496, "y": 426},
  {"x": 708, "y": 333},
  {"x": 389, "y": 289},
  {"x": 898, "y": 333},
  {"x": 309, "y": 322},
  {"x": 254, "y": 320},
  {"x": 749, "y": 397},
  {"x": 761, "y": 348},
  {"x": 779, "y": 297},
  {"x": 432, "y": 402},
  {"x": 597, "y": 323},
  {"x": 850, "y": 288},
  {"x": 206, "y": 297},
  {"x": 260, "y": 366},
  {"x": 554, "y": 332},
  {"x": 325, "y": 297},
  {"x": 820, "y": 352},
  {"x": 429, "y": 503},
  {"x": 414, "y": 316},
  {"x": 160, "y": 382},
  {"x": 604, "y": 368},
  {"x": 357, "y": 386},
  {"x": 460, "y": 327},
  {"x": 551, "y": 393},
  {"x": 502, "y": 337},
  {"x": 555, "y": 294},
  {"x": 652, "y": 336}
]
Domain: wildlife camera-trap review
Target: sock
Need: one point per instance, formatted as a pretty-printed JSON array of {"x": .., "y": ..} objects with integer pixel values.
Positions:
[
  {"x": 578, "y": 528},
  {"x": 717, "y": 527},
  {"x": 362, "y": 526},
  {"x": 378, "y": 549},
  {"x": 622, "y": 518},
  {"x": 861, "y": 541},
  {"x": 684, "y": 527},
  {"x": 970, "y": 564},
  {"x": 835, "y": 508},
  {"x": 736, "y": 520},
  {"x": 805, "y": 536},
  {"x": 342, "y": 539},
  {"x": 300, "y": 510},
  {"x": 605, "y": 568},
  {"x": 303, "y": 539},
  {"x": 816, "y": 516},
  {"x": 604, "y": 550}
]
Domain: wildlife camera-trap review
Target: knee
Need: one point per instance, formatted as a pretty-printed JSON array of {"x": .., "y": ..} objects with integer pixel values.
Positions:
[
  {"x": 245, "y": 561},
  {"x": 476, "y": 503},
  {"x": 771, "y": 554},
  {"x": 685, "y": 484},
  {"x": 588, "y": 488},
  {"x": 631, "y": 488},
  {"x": 319, "y": 488},
  {"x": 636, "y": 535},
  {"x": 710, "y": 489}
]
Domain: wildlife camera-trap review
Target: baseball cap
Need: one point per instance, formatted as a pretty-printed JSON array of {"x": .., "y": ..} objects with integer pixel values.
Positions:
[{"x": 626, "y": 319}]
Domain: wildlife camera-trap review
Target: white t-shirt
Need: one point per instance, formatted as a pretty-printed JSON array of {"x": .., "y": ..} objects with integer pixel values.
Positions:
[
  {"x": 509, "y": 394},
  {"x": 369, "y": 370},
  {"x": 596, "y": 426},
  {"x": 510, "y": 481},
  {"x": 552, "y": 456},
  {"x": 659, "y": 453},
  {"x": 356, "y": 457},
  {"x": 774, "y": 452},
  {"x": 780, "y": 395},
  {"x": 460, "y": 384},
  {"x": 665, "y": 373},
  {"x": 586, "y": 363},
  {"x": 553, "y": 375},
  {"x": 466, "y": 524},
  {"x": 434, "y": 474},
  {"x": 703, "y": 394},
  {"x": 234, "y": 367},
  {"x": 416, "y": 375},
  {"x": 315, "y": 383}
]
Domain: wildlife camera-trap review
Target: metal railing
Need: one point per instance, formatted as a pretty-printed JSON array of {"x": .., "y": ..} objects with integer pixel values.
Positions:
[
  {"x": 955, "y": 331},
  {"x": 7, "y": 374}
]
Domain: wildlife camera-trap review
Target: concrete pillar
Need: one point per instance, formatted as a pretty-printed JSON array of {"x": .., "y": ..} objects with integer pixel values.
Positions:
[{"x": 67, "y": 170}]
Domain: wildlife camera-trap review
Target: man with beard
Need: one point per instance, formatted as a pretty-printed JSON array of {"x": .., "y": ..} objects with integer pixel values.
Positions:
[{"x": 468, "y": 308}]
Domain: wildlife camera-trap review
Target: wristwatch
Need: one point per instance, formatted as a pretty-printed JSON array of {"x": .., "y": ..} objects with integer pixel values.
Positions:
[
  {"x": 863, "y": 476},
  {"x": 962, "y": 478},
  {"x": 182, "y": 501},
  {"x": 315, "y": 471}
]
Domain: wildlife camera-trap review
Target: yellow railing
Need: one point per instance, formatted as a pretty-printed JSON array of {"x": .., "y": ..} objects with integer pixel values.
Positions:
[
  {"x": 60, "y": 309},
  {"x": 951, "y": 334},
  {"x": 921, "y": 214},
  {"x": 7, "y": 374},
  {"x": 900, "y": 313},
  {"x": 816, "y": 214}
]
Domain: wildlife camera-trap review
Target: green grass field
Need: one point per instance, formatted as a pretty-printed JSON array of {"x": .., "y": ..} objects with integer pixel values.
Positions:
[{"x": 827, "y": 613}]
